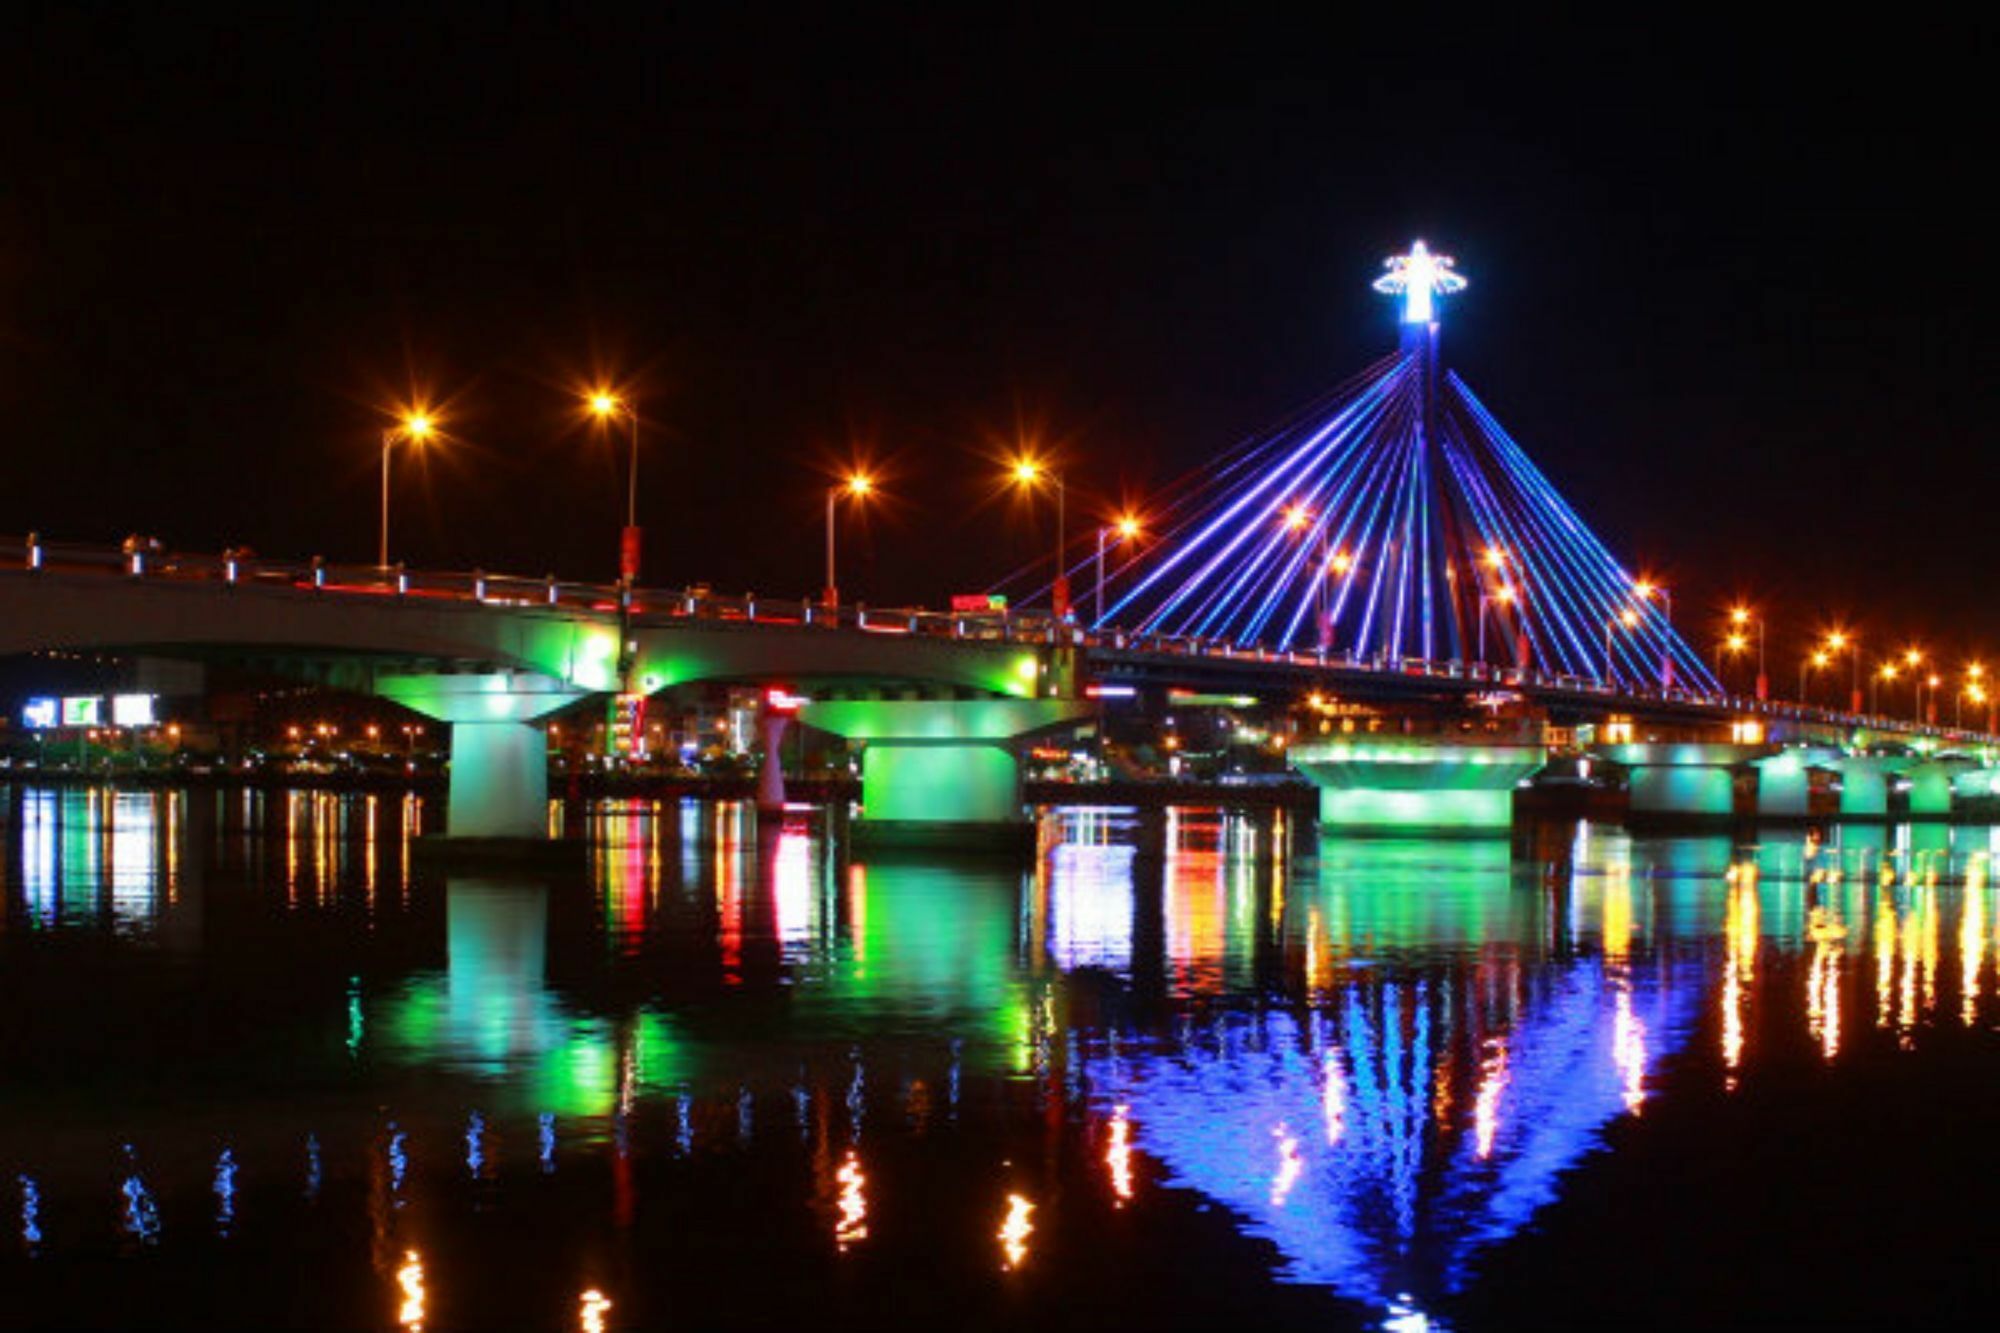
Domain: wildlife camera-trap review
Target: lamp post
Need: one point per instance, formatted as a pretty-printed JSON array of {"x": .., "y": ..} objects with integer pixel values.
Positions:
[
  {"x": 1126, "y": 529},
  {"x": 1817, "y": 660},
  {"x": 1914, "y": 658},
  {"x": 415, "y": 427},
  {"x": 857, "y": 487},
  {"x": 1341, "y": 564},
  {"x": 605, "y": 405},
  {"x": 1646, "y": 589},
  {"x": 1887, "y": 672},
  {"x": 1976, "y": 691},
  {"x": 1503, "y": 596},
  {"x": 1732, "y": 644},
  {"x": 1839, "y": 641},
  {"x": 1739, "y": 620},
  {"x": 1626, "y": 619},
  {"x": 1495, "y": 561},
  {"x": 1029, "y": 472},
  {"x": 1297, "y": 519}
]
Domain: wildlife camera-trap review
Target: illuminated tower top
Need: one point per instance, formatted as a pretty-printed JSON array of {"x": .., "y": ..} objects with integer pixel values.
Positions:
[{"x": 1417, "y": 277}]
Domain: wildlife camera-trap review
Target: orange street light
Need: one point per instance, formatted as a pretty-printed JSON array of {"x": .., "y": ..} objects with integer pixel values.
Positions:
[
  {"x": 1297, "y": 518},
  {"x": 1125, "y": 528},
  {"x": 1028, "y": 471},
  {"x": 416, "y": 426},
  {"x": 1501, "y": 596},
  {"x": 858, "y": 486},
  {"x": 1740, "y": 618},
  {"x": 607, "y": 405},
  {"x": 1840, "y": 640},
  {"x": 1817, "y": 661}
]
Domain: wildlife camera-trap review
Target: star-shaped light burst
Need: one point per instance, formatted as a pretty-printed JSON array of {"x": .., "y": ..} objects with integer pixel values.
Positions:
[{"x": 1417, "y": 277}]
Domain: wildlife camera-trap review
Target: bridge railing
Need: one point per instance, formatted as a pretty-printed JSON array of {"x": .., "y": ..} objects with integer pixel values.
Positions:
[{"x": 147, "y": 558}]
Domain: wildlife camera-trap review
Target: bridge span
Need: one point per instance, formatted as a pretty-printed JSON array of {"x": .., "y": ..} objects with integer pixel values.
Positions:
[{"x": 938, "y": 702}]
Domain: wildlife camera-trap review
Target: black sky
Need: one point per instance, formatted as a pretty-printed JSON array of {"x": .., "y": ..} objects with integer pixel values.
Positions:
[{"x": 1729, "y": 287}]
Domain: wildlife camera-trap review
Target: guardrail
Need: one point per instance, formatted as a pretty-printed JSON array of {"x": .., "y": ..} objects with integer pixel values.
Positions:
[{"x": 147, "y": 559}]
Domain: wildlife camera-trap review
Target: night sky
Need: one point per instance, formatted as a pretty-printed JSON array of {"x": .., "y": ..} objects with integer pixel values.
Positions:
[{"x": 1728, "y": 282}]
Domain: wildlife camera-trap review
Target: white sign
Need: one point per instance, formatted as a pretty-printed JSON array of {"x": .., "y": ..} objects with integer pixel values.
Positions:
[{"x": 132, "y": 710}]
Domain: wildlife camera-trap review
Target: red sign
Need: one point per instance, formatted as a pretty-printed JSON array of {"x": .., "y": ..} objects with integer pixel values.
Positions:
[{"x": 978, "y": 601}]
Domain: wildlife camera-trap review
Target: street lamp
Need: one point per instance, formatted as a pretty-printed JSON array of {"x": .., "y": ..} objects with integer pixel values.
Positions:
[
  {"x": 1739, "y": 620},
  {"x": 1645, "y": 590},
  {"x": 1732, "y": 644},
  {"x": 416, "y": 427},
  {"x": 1817, "y": 661},
  {"x": 1495, "y": 561},
  {"x": 1888, "y": 672},
  {"x": 1838, "y": 641},
  {"x": 606, "y": 405},
  {"x": 1914, "y": 658},
  {"x": 1502, "y": 596},
  {"x": 1627, "y": 619},
  {"x": 1976, "y": 690},
  {"x": 1127, "y": 528},
  {"x": 1029, "y": 472},
  {"x": 1297, "y": 518},
  {"x": 1341, "y": 565},
  {"x": 857, "y": 487}
]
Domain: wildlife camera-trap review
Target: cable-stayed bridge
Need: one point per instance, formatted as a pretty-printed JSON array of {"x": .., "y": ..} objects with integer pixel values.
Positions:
[
  {"x": 1395, "y": 519},
  {"x": 1390, "y": 547}
]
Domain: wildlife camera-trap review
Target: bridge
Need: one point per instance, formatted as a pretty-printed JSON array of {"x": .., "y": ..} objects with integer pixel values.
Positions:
[{"x": 1389, "y": 547}]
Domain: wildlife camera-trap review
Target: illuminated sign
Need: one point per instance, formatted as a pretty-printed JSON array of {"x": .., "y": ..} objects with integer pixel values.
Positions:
[
  {"x": 978, "y": 601},
  {"x": 132, "y": 710},
  {"x": 784, "y": 701},
  {"x": 84, "y": 711},
  {"x": 1196, "y": 700},
  {"x": 41, "y": 713},
  {"x": 628, "y": 725}
]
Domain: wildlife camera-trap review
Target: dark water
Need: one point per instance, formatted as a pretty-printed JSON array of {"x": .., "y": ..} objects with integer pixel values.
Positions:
[{"x": 255, "y": 1072}]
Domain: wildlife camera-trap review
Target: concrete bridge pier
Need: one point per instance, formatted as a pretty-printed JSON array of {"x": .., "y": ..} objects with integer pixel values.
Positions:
[
  {"x": 942, "y": 773},
  {"x": 1689, "y": 783},
  {"x": 1416, "y": 784},
  {"x": 1931, "y": 785},
  {"x": 771, "y": 724},
  {"x": 499, "y": 795},
  {"x": 1784, "y": 782},
  {"x": 1864, "y": 785}
]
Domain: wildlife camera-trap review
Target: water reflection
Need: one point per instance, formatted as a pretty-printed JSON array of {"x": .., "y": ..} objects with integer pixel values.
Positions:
[{"x": 1383, "y": 1065}]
